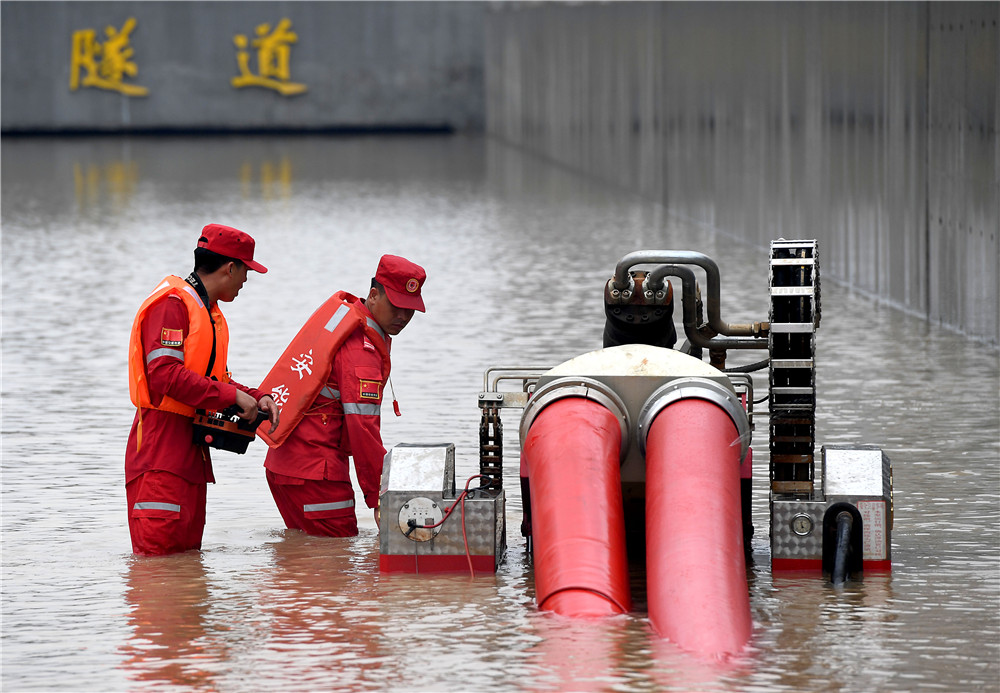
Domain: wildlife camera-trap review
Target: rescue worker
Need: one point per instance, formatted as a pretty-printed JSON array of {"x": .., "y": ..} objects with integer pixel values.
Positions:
[
  {"x": 329, "y": 384},
  {"x": 177, "y": 364}
]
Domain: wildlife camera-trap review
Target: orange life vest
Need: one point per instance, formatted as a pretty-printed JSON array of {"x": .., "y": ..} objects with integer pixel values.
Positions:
[
  {"x": 304, "y": 367},
  {"x": 197, "y": 345}
]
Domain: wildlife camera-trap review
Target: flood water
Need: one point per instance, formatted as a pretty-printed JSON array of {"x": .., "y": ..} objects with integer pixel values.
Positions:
[{"x": 517, "y": 252}]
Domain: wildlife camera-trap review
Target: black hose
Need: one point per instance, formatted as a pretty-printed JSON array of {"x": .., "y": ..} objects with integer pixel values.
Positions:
[
  {"x": 845, "y": 522},
  {"x": 749, "y": 368}
]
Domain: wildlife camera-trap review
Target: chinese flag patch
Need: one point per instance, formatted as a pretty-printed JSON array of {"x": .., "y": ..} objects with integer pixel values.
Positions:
[
  {"x": 170, "y": 337},
  {"x": 371, "y": 389}
]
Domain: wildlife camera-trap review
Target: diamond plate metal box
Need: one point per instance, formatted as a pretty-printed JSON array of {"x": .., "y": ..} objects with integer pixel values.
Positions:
[
  {"x": 418, "y": 488},
  {"x": 855, "y": 476},
  {"x": 861, "y": 475}
]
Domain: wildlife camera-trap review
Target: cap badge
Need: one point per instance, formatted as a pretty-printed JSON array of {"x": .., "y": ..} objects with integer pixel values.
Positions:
[{"x": 412, "y": 285}]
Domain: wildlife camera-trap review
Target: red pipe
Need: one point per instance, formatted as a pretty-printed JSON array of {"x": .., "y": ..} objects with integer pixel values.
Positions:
[
  {"x": 695, "y": 572},
  {"x": 578, "y": 525}
]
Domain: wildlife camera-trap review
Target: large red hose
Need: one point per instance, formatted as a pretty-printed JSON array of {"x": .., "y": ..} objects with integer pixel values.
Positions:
[
  {"x": 695, "y": 572},
  {"x": 578, "y": 525}
]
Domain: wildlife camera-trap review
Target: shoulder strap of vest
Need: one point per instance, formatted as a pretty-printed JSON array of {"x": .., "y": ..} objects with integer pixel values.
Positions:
[{"x": 195, "y": 281}]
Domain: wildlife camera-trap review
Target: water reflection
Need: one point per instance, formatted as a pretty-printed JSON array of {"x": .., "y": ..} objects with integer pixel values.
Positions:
[
  {"x": 673, "y": 669},
  {"x": 171, "y": 640},
  {"x": 318, "y": 594},
  {"x": 844, "y": 629},
  {"x": 578, "y": 655},
  {"x": 115, "y": 180},
  {"x": 266, "y": 179}
]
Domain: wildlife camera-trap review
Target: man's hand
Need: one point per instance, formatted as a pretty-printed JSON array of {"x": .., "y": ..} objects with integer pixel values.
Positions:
[
  {"x": 267, "y": 404},
  {"x": 247, "y": 405}
]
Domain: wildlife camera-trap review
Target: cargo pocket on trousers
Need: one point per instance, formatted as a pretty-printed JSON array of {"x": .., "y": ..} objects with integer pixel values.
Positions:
[
  {"x": 156, "y": 527},
  {"x": 157, "y": 522}
]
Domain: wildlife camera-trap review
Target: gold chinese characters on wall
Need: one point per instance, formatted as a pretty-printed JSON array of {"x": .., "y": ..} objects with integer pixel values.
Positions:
[
  {"x": 104, "y": 64},
  {"x": 273, "y": 58},
  {"x": 107, "y": 64}
]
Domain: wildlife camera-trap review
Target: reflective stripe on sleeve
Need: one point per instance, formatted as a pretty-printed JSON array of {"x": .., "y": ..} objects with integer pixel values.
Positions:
[
  {"x": 165, "y": 351},
  {"x": 337, "y": 317},
  {"x": 362, "y": 409},
  {"x": 329, "y": 393},
  {"x": 157, "y": 506},
  {"x": 318, "y": 507}
]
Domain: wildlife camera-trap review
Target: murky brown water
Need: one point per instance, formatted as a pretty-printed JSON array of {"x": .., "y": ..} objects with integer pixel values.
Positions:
[{"x": 517, "y": 253}]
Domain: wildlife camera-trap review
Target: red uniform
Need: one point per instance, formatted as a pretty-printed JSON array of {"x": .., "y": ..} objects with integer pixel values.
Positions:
[
  {"x": 309, "y": 473},
  {"x": 166, "y": 473}
]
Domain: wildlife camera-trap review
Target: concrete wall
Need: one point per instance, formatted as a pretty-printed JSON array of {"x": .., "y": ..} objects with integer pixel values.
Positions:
[
  {"x": 869, "y": 126},
  {"x": 365, "y": 65}
]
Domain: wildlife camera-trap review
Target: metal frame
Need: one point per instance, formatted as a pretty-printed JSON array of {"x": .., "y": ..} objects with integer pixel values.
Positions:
[
  {"x": 694, "y": 388},
  {"x": 575, "y": 386}
]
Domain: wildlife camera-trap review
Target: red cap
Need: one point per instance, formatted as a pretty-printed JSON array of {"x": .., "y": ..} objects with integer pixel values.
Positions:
[
  {"x": 230, "y": 242},
  {"x": 402, "y": 281}
]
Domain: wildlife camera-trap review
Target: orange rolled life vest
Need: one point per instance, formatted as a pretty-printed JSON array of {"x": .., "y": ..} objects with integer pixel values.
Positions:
[
  {"x": 304, "y": 367},
  {"x": 197, "y": 346}
]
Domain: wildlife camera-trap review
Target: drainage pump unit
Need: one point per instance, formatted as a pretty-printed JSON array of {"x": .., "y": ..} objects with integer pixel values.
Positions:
[{"x": 642, "y": 452}]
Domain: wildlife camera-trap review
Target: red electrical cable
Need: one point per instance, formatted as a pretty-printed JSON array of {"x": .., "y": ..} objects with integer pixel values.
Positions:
[
  {"x": 465, "y": 538},
  {"x": 447, "y": 514}
]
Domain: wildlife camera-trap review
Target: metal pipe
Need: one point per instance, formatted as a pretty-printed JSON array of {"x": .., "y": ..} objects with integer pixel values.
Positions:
[
  {"x": 623, "y": 281},
  {"x": 690, "y": 310},
  {"x": 845, "y": 524},
  {"x": 511, "y": 373}
]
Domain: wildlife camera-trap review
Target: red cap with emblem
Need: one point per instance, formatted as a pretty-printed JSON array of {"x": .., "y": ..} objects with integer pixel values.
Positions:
[
  {"x": 230, "y": 242},
  {"x": 402, "y": 281}
]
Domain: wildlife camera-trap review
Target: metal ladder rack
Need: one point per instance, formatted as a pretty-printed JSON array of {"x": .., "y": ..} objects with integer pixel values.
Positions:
[{"x": 794, "y": 317}]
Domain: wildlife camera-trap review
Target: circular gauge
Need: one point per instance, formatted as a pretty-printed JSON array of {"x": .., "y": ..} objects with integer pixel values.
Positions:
[
  {"x": 802, "y": 525},
  {"x": 417, "y": 517}
]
